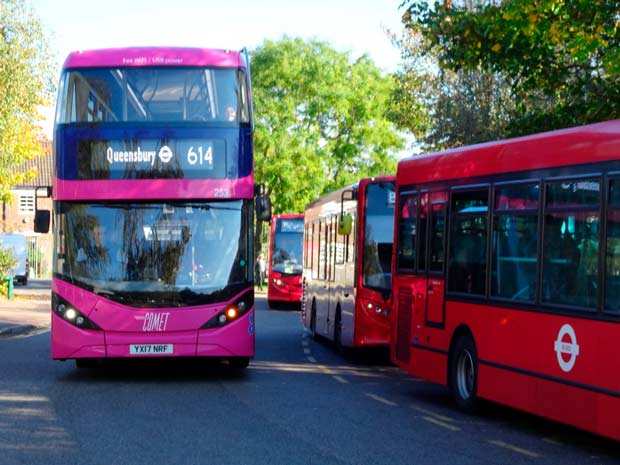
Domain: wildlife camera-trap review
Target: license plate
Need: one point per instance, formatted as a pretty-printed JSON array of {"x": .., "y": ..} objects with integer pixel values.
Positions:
[{"x": 151, "y": 349}]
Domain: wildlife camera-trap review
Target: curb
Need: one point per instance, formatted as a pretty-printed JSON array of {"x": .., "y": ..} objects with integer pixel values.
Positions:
[
  {"x": 13, "y": 330},
  {"x": 41, "y": 296}
]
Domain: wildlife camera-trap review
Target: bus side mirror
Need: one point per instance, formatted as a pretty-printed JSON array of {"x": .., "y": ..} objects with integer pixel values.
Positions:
[
  {"x": 263, "y": 207},
  {"x": 345, "y": 223},
  {"x": 42, "y": 221}
]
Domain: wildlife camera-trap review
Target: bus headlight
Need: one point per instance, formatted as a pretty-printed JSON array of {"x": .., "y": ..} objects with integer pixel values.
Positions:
[
  {"x": 70, "y": 314},
  {"x": 231, "y": 312}
]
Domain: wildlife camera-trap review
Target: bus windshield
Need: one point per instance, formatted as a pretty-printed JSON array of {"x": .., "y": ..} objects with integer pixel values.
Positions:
[
  {"x": 155, "y": 254},
  {"x": 165, "y": 94},
  {"x": 287, "y": 246},
  {"x": 378, "y": 236}
]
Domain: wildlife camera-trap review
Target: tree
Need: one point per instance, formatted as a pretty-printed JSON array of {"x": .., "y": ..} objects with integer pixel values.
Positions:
[
  {"x": 321, "y": 121},
  {"x": 445, "y": 108},
  {"x": 25, "y": 86},
  {"x": 563, "y": 56}
]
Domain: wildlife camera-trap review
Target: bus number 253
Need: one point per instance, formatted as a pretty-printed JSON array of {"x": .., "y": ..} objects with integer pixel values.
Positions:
[{"x": 203, "y": 157}]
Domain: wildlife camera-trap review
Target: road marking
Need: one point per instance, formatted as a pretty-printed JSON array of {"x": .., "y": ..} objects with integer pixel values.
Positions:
[
  {"x": 553, "y": 441},
  {"x": 433, "y": 414},
  {"x": 340, "y": 379},
  {"x": 382, "y": 400},
  {"x": 311, "y": 359},
  {"x": 304, "y": 343},
  {"x": 519, "y": 450},
  {"x": 307, "y": 351},
  {"x": 437, "y": 422}
]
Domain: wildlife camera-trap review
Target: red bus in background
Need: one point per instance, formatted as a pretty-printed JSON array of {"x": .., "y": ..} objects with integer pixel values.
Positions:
[
  {"x": 285, "y": 255},
  {"x": 348, "y": 237},
  {"x": 507, "y": 274}
]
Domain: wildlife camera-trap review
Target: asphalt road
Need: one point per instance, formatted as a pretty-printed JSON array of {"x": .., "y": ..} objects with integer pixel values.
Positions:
[{"x": 299, "y": 402}]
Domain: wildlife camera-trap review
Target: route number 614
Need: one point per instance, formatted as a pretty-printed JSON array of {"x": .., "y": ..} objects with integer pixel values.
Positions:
[{"x": 201, "y": 156}]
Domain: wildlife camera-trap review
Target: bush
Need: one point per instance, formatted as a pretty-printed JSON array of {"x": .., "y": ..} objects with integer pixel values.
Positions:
[{"x": 7, "y": 261}]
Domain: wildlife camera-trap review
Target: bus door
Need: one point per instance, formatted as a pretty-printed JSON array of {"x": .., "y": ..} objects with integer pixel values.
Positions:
[
  {"x": 332, "y": 234},
  {"x": 432, "y": 217},
  {"x": 322, "y": 282}
]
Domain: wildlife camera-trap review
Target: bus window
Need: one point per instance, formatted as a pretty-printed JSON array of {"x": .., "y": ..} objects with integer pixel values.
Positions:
[
  {"x": 612, "y": 262},
  {"x": 378, "y": 236},
  {"x": 437, "y": 234},
  {"x": 571, "y": 242},
  {"x": 515, "y": 242},
  {"x": 407, "y": 231},
  {"x": 468, "y": 239},
  {"x": 422, "y": 224}
]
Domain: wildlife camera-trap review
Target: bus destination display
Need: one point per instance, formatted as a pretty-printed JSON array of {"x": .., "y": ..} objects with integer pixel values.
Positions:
[{"x": 152, "y": 159}]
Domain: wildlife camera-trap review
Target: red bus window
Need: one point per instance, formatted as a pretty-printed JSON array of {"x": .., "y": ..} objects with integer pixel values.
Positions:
[
  {"x": 468, "y": 242},
  {"x": 517, "y": 197},
  {"x": 437, "y": 233},
  {"x": 514, "y": 259},
  {"x": 407, "y": 232},
  {"x": 612, "y": 259},
  {"x": 571, "y": 243}
]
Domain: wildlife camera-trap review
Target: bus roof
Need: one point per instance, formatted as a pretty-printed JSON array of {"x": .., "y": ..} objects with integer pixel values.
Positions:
[
  {"x": 581, "y": 145},
  {"x": 337, "y": 194},
  {"x": 155, "y": 56}
]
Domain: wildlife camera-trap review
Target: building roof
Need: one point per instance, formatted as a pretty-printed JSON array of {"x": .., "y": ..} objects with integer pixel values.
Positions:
[{"x": 44, "y": 165}]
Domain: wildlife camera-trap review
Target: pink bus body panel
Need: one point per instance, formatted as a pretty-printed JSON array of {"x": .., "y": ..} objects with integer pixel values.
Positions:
[
  {"x": 154, "y": 56},
  {"x": 181, "y": 328},
  {"x": 154, "y": 189}
]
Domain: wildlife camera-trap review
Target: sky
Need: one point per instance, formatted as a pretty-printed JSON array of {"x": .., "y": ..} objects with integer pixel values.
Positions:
[
  {"x": 348, "y": 25},
  {"x": 354, "y": 26}
]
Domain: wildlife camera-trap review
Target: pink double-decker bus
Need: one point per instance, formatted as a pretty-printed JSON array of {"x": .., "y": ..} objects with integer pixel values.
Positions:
[{"x": 153, "y": 219}]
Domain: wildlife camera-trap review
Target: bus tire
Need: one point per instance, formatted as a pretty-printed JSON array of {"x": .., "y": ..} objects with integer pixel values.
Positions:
[
  {"x": 313, "y": 320},
  {"x": 338, "y": 331},
  {"x": 239, "y": 363},
  {"x": 464, "y": 374}
]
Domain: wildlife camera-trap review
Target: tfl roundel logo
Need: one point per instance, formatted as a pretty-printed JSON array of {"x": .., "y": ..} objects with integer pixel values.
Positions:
[
  {"x": 165, "y": 154},
  {"x": 566, "y": 348}
]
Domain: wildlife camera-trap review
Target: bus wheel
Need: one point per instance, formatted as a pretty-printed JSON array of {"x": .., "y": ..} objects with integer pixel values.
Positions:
[
  {"x": 464, "y": 374},
  {"x": 338, "y": 331},
  {"x": 313, "y": 320},
  {"x": 239, "y": 362}
]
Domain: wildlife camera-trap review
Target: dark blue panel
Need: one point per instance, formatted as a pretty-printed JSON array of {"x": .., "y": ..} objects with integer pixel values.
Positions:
[{"x": 238, "y": 141}]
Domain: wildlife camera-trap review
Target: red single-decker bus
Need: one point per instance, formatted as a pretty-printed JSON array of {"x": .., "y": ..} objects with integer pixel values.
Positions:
[{"x": 507, "y": 273}]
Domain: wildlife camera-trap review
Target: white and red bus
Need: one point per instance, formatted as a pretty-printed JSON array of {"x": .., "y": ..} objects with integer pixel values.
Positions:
[
  {"x": 507, "y": 274},
  {"x": 348, "y": 237},
  {"x": 153, "y": 213},
  {"x": 285, "y": 259}
]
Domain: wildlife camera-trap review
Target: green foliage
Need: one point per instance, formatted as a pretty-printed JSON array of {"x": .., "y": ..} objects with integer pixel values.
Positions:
[
  {"x": 7, "y": 261},
  {"x": 25, "y": 85},
  {"x": 562, "y": 56},
  {"x": 321, "y": 121},
  {"x": 444, "y": 108}
]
